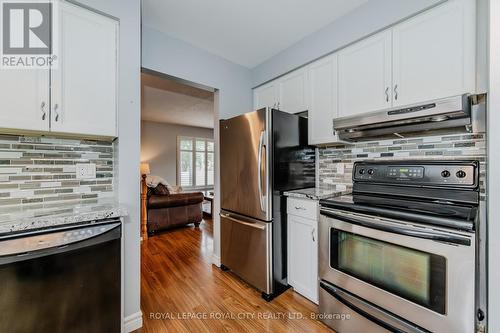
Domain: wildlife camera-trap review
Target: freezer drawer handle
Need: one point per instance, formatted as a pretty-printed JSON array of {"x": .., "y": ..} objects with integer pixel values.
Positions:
[
  {"x": 253, "y": 225},
  {"x": 455, "y": 239},
  {"x": 343, "y": 298}
]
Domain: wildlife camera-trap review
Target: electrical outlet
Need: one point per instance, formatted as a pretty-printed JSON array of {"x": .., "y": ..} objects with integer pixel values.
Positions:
[
  {"x": 85, "y": 171},
  {"x": 340, "y": 168}
]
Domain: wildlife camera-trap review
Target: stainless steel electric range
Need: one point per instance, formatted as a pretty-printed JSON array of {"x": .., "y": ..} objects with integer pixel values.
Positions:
[{"x": 400, "y": 253}]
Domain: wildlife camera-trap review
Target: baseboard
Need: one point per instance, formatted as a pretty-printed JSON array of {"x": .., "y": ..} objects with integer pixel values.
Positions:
[
  {"x": 132, "y": 322},
  {"x": 215, "y": 260}
]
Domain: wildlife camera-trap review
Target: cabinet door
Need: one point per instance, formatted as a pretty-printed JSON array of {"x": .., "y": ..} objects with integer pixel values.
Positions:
[
  {"x": 365, "y": 75},
  {"x": 84, "y": 95},
  {"x": 293, "y": 92},
  {"x": 303, "y": 256},
  {"x": 323, "y": 102},
  {"x": 266, "y": 96},
  {"x": 434, "y": 54},
  {"x": 24, "y": 99}
]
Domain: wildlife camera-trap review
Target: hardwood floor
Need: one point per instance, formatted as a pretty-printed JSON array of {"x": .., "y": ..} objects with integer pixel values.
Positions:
[{"x": 183, "y": 292}]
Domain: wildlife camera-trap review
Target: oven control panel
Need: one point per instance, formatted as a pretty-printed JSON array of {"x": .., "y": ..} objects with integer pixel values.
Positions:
[{"x": 462, "y": 174}]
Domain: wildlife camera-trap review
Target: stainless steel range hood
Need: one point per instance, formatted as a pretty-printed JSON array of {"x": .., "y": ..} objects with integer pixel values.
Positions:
[{"x": 439, "y": 114}]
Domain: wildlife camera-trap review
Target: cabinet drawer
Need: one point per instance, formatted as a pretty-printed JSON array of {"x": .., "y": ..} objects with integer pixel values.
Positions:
[{"x": 303, "y": 208}]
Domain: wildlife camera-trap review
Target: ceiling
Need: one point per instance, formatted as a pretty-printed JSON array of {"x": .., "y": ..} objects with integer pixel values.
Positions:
[
  {"x": 169, "y": 101},
  {"x": 246, "y": 32}
]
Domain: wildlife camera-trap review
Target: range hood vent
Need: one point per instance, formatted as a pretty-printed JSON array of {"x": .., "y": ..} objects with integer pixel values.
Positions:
[{"x": 447, "y": 113}]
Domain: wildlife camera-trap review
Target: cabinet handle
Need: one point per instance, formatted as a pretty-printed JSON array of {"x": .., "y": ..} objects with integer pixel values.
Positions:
[
  {"x": 387, "y": 94},
  {"x": 299, "y": 208},
  {"x": 312, "y": 234},
  {"x": 56, "y": 106},
  {"x": 42, "y": 107},
  {"x": 396, "y": 92}
]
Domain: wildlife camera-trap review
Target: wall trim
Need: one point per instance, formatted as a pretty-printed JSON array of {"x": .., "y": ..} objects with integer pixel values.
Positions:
[
  {"x": 132, "y": 322},
  {"x": 216, "y": 260}
]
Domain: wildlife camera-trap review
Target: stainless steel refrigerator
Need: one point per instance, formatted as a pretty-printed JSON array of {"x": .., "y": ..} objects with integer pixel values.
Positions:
[{"x": 262, "y": 154}]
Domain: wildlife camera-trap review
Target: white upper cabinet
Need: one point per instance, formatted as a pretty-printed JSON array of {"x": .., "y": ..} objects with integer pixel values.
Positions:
[
  {"x": 323, "y": 92},
  {"x": 84, "y": 92},
  {"x": 434, "y": 54},
  {"x": 266, "y": 96},
  {"x": 429, "y": 56},
  {"x": 24, "y": 99},
  {"x": 365, "y": 77},
  {"x": 79, "y": 96},
  {"x": 288, "y": 93},
  {"x": 292, "y": 89}
]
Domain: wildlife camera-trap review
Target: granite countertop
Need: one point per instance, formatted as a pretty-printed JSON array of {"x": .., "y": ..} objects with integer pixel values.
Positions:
[
  {"x": 321, "y": 193},
  {"x": 19, "y": 220}
]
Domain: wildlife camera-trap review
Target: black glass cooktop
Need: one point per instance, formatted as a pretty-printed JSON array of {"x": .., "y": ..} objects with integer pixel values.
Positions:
[{"x": 429, "y": 211}]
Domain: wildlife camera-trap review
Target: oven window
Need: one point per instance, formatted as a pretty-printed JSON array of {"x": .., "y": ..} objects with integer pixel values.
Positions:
[{"x": 417, "y": 276}]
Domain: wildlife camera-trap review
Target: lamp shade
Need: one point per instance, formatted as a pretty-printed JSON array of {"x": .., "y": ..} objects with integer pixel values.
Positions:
[{"x": 145, "y": 169}]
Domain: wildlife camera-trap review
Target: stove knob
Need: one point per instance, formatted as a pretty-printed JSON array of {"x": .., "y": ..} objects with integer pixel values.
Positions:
[
  {"x": 361, "y": 171},
  {"x": 371, "y": 171},
  {"x": 445, "y": 174},
  {"x": 461, "y": 174}
]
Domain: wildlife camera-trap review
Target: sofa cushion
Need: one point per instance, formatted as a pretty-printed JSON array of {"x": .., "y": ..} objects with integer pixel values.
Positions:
[{"x": 174, "y": 200}]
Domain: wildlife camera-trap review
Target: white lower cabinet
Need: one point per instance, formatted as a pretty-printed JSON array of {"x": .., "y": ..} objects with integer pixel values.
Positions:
[{"x": 303, "y": 248}]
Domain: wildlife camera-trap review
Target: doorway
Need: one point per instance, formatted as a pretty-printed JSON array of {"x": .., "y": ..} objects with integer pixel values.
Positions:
[{"x": 178, "y": 151}]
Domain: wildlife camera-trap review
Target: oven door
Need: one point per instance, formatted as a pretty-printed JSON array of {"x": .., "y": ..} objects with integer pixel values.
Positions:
[{"x": 424, "y": 276}]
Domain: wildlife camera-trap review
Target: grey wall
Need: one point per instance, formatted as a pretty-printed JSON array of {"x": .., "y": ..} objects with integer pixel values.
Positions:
[
  {"x": 366, "y": 19},
  {"x": 171, "y": 56},
  {"x": 159, "y": 146},
  {"x": 128, "y": 146}
]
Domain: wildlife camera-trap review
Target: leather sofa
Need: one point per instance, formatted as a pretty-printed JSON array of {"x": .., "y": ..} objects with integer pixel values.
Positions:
[{"x": 173, "y": 210}]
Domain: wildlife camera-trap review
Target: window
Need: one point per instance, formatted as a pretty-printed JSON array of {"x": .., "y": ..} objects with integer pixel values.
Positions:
[{"x": 195, "y": 162}]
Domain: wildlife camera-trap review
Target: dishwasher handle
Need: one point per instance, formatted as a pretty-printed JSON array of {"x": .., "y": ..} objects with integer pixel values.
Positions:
[{"x": 19, "y": 249}]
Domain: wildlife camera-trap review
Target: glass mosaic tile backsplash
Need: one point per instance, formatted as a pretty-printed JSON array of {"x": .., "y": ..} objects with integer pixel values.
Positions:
[
  {"x": 40, "y": 172},
  {"x": 448, "y": 147}
]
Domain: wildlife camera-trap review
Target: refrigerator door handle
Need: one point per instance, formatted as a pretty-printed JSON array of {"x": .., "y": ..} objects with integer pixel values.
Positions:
[
  {"x": 259, "y": 162},
  {"x": 253, "y": 225}
]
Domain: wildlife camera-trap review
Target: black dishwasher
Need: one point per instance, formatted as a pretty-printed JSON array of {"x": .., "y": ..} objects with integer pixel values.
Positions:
[{"x": 62, "y": 280}]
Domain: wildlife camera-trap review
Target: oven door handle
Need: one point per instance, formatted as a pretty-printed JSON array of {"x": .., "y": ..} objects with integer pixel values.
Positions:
[
  {"x": 365, "y": 222},
  {"x": 376, "y": 313}
]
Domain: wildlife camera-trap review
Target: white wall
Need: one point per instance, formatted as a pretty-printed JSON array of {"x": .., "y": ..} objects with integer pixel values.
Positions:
[
  {"x": 128, "y": 12},
  {"x": 364, "y": 20},
  {"x": 494, "y": 167},
  {"x": 233, "y": 96},
  {"x": 159, "y": 146}
]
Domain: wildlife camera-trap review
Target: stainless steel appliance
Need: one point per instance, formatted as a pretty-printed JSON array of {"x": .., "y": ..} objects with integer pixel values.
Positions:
[
  {"x": 399, "y": 254},
  {"x": 263, "y": 153},
  {"x": 62, "y": 280},
  {"x": 446, "y": 113}
]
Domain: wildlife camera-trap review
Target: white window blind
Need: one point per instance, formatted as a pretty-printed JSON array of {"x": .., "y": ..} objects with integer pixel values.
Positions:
[{"x": 195, "y": 162}]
